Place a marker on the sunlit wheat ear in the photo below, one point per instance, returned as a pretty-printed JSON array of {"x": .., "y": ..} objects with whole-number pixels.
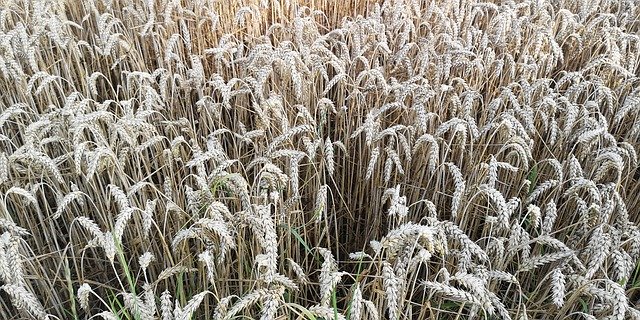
[
  {"x": 456, "y": 234},
  {"x": 4, "y": 168},
  {"x": 391, "y": 284},
  {"x": 451, "y": 292},
  {"x": 240, "y": 187},
  {"x": 460, "y": 186},
  {"x": 320, "y": 208},
  {"x": 375, "y": 153},
  {"x": 145, "y": 259},
  {"x": 201, "y": 230},
  {"x": 398, "y": 239},
  {"x": 66, "y": 201},
  {"x": 147, "y": 216},
  {"x": 623, "y": 266},
  {"x": 398, "y": 207},
  {"x": 433, "y": 151},
  {"x": 587, "y": 185},
  {"x": 612, "y": 294},
  {"x": 288, "y": 135},
  {"x": 328, "y": 153},
  {"x": 326, "y": 312},
  {"x": 12, "y": 111},
  {"x": 535, "y": 215},
  {"x": 298, "y": 271},
  {"x": 192, "y": 305},
  {"x": 609, "y": 161},
  {"x": 294, "y": 164},
  {"x": 28, "y": 196},
  {"x": 41, "y": 160},
  {"x": 13, "y": 228},
  {"x": 372, "y": 310},
  {"x": 109, "y": 245},
  {"x": 10, "y": 260},
  {"x": 393, "y": 156},
  {"x": 534, "y": 262},
  {"x": 357, "y": 303},
  {"x": 477, "y": 286},
  {"x": 541, "y": 189},
  {"x": 107, "y": 315},
  {"x": 550, "y": 215},
  {"x": 166, "y": 306},
  {"x": 558, "y": 288},
  {"x": 149, "y": 299},
  {"x": 83, "y": 296},
  {"x": 329, "y": 276},
  {"x": 137, "y": 306},
  {"x": 91, "y": 226},
  {"x": 35, "y": 77},
  {"x": 222, "y": 308},
  {"x": 121, "y": 221},
  {"x": 597, "y": 250},
  {"x": 245, "y": 302},
  {"x": 325, "y": 106},
  {"x": 105, "y": 240},
  {"x": 208, "y": 260},
  {"x": 23, "y": 299}
]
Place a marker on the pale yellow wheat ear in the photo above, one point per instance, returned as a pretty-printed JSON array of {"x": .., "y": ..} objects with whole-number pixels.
[
  {"x": 460, "y": 186},
  {"x": 12, "y": 227},
  {"x": 24, "y": 299},
  {"x": 83, "y": 295},
  {"x": 391, "y": 284},
  {"x": 66, "y": 201}
]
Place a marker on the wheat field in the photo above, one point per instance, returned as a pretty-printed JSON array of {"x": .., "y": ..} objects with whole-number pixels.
[{"x": 359, "y": 159}]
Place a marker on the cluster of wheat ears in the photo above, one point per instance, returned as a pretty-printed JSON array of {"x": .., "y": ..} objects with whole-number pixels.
[{"x": 427, "y": 159}]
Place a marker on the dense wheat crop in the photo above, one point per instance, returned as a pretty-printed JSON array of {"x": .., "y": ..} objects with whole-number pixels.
[{"x": 427, "y": 159}]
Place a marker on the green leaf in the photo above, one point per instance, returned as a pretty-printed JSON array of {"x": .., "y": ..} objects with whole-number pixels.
[{"x": 533, "y": 178}]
